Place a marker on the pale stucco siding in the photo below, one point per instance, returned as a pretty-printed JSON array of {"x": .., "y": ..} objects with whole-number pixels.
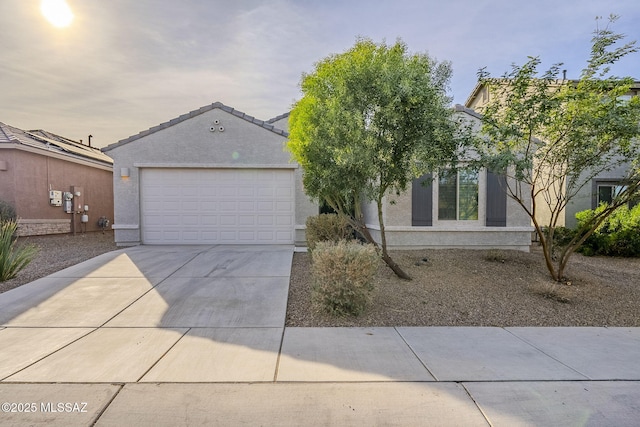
[
  {"x": 448, "y": 234},
  {"x": 400, "y": 233},
  {"x": 190, "y": 143},
  {"x": 305, "y": 207}
]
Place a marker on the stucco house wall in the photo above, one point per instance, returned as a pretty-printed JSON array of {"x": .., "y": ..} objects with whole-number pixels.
[
  {"x": 29, "y": 168},
  {"x": 474, "y": 234},
  {"x": 397, "y": 212},
  {"x": 189, "y": 142}
]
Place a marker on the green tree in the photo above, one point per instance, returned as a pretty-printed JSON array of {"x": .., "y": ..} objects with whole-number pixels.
[
  {"x": 369, "y": 121},
  {"x": 554, "y": 136}
]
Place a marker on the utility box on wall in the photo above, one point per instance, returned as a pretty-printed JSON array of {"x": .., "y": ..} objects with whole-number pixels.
[{"x": 55, "y": 198}]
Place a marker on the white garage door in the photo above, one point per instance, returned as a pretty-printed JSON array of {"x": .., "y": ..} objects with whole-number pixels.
[{"x": 204, "y": 206}]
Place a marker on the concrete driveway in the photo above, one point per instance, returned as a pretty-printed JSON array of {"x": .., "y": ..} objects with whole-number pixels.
[{"x": 159, "y": 335}]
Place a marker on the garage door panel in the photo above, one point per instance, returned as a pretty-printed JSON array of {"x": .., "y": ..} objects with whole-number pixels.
[
  {"x": 248, "y": 206},
  {"x": 265, "y": 220},
  {"x": 284, "y": 220},
  {"x": 209, "y": 220},
  {"x": 246, "y": 192},
  {"x": 191, "y": 220},
  {"x": 203, "y": 206},
  {"x": 265, "y": 206},
  {"x": 244, "y": 220},
  {"x": 282, "y": 206},
  {"x": 228, "y": 220}
]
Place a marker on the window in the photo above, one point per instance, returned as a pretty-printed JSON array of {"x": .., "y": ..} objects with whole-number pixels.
[
  {"x": 607, "y": 192},
  {"x": 458, "y": 196}
]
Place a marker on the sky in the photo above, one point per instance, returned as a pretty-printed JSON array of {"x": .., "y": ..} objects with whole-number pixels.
[{"x": 123, "y": 66}]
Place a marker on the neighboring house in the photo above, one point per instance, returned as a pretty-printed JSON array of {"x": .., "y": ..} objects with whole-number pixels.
[
  {"x": 217, "y": 175},
  {"x": 602, "y": 188},
  {"x": 37, "y": 168}
]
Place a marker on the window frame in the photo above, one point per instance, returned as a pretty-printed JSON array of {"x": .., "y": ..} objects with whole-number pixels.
[
  {"x": 607, "y": 182},
  {"x": 481, "y": 202}
]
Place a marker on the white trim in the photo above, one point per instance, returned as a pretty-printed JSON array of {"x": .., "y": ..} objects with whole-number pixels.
[
  {"x": 125, "y": 226},
  {"x": 214, "y": 166},
  {"x": 440, "y": 228}
]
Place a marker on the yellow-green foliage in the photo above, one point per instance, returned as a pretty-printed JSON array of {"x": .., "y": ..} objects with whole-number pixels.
[
  {"x": 326, "y": 227},
  {"x": 342, "y": 274},
  {"x": 13, "y": 258}
]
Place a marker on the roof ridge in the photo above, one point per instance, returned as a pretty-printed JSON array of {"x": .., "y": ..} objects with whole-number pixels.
[
  {"x": 62, "y": 139},
  {"x": 264, "y": 124},
  {"x": 280, "y": 117},
  {"x": 7, "y": 132}
]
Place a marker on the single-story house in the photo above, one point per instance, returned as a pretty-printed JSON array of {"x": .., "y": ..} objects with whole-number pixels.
[
  {"x": 55, "y": 184},
  {"x": 214, "y": 175},
  {"x": 218, "y": 175},
  {"x": 602, "y": 187}
]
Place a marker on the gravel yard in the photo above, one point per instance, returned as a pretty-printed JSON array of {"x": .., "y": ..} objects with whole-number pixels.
[
  {"x": 451, "y": 288},
  {"x": 58, "y": 252},
  {"x": 484, "y": 288}
]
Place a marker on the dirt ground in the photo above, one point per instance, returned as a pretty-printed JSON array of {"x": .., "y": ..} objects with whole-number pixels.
[{"x": 484, "y": 288}]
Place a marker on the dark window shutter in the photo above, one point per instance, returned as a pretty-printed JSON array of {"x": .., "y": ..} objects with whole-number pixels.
[
  {"x": 496, "y": 200},
  {"x": 422, "y": 201}
]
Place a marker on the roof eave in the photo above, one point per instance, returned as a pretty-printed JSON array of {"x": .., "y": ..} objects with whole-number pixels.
[{"x": 264, "y": 124}]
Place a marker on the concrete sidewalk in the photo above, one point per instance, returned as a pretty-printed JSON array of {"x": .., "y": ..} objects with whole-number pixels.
[{"x": 195, "y": 336}]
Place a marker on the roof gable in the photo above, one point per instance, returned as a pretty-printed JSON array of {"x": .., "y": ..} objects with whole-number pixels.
[{"x": 261, "y": 123}]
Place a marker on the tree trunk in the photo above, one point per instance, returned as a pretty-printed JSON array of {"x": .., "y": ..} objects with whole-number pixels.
[
  {"x": 395, "y": 267},
  {"x": 547, "y": 248},
  {"x": 385, "y": 255},
  {"x": 364, "y": 231}
]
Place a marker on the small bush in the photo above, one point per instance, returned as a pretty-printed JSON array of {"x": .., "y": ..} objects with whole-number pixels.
[
  {"x": 342, "y": 276},
  {"x": 553, "y": 291},
  {"x": 7, "y": 212},
  {"x": 13, "y": 258},
  {"x": 326, "y": 228},
  {"x": 495, "y": 255}
]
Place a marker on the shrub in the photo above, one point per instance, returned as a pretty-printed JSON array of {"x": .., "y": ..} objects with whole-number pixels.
[
  {"x": 495, "y": 255},
  {"x": 13, "y": 258},
  {"x": 342, "y": 276},
  {"x": 326, "y": 228},
  {"x": 618, "y": 235},
  {"x": 7, "y": 212}
]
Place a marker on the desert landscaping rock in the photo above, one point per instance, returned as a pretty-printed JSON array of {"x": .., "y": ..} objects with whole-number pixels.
[{"x": 463, "y": 287}]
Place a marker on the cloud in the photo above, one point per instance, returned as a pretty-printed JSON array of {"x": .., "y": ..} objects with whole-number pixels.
[{"x": 123, "y": 66}]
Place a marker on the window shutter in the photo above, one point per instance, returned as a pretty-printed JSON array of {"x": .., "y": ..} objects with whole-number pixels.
[
  {"x": 422, "y": 201},
  {"x": 496, "y": 200}
]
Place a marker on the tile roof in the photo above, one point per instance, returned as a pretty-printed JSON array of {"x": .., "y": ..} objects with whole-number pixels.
[
  {"x": 51, "y": 142},
  {"x": 264, "y": 124},
  {"x": 278, "y": 118}
]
